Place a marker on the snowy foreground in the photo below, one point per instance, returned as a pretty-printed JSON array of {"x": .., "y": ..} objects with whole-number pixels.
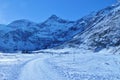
[{"x": 56, "y": 66}]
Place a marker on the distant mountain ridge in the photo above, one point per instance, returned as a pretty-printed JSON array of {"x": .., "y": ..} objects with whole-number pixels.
[
  {"x": 94, "y": 31},
  {"x": 24, "y": 35}
]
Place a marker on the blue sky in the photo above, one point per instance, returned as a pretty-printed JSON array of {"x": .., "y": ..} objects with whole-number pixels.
[{"x": 39, "y": 10}]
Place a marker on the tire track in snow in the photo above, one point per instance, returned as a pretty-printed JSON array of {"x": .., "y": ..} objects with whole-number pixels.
[{"x": 37, "y": 69}]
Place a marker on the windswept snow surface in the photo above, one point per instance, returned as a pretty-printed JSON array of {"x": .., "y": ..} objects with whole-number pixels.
[
  {"x": 11, "y": 65},
  {"x": 69, "y": 65},
  {"x": 27, "y": 67},
  {"x": 37, "y": 69}
]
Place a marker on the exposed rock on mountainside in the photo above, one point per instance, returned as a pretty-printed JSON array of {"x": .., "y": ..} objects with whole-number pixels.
[
  {"x": 104, "y": 32},
  {"x": 95, "y": 31},
  {"x": 24, "y": 35}
]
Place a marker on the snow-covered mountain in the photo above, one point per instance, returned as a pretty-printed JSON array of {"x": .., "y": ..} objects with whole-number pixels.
[
  {"x": 103, "y": 31},
  {"x": 35, "y": 36},
  {"x": 95, "y": 31}
]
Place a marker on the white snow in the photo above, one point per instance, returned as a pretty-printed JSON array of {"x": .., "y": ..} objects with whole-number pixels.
[
  {"x": 77, "y": 65},
  {"x": 38, "y": 70}
]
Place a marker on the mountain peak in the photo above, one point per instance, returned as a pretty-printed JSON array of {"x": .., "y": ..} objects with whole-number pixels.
[
  {"x": 21, "y": 22},
  {"x": 53, "y": 17}
]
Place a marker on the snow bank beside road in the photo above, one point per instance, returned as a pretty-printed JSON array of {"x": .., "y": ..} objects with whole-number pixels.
[{"x": 88, "y": 66}]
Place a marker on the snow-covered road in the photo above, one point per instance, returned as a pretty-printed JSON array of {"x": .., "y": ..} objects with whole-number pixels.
[
  {"x": 44, "y": 66},
  {"x": 37, "y": 69}
]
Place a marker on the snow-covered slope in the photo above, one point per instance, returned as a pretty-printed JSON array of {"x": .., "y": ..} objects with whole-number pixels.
[
  {"x": 95, "y": 31},
  {"x": 99, "y": 31},
  {"x": 103, "y": 33},
  {"x": 35, "y": 36}
]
